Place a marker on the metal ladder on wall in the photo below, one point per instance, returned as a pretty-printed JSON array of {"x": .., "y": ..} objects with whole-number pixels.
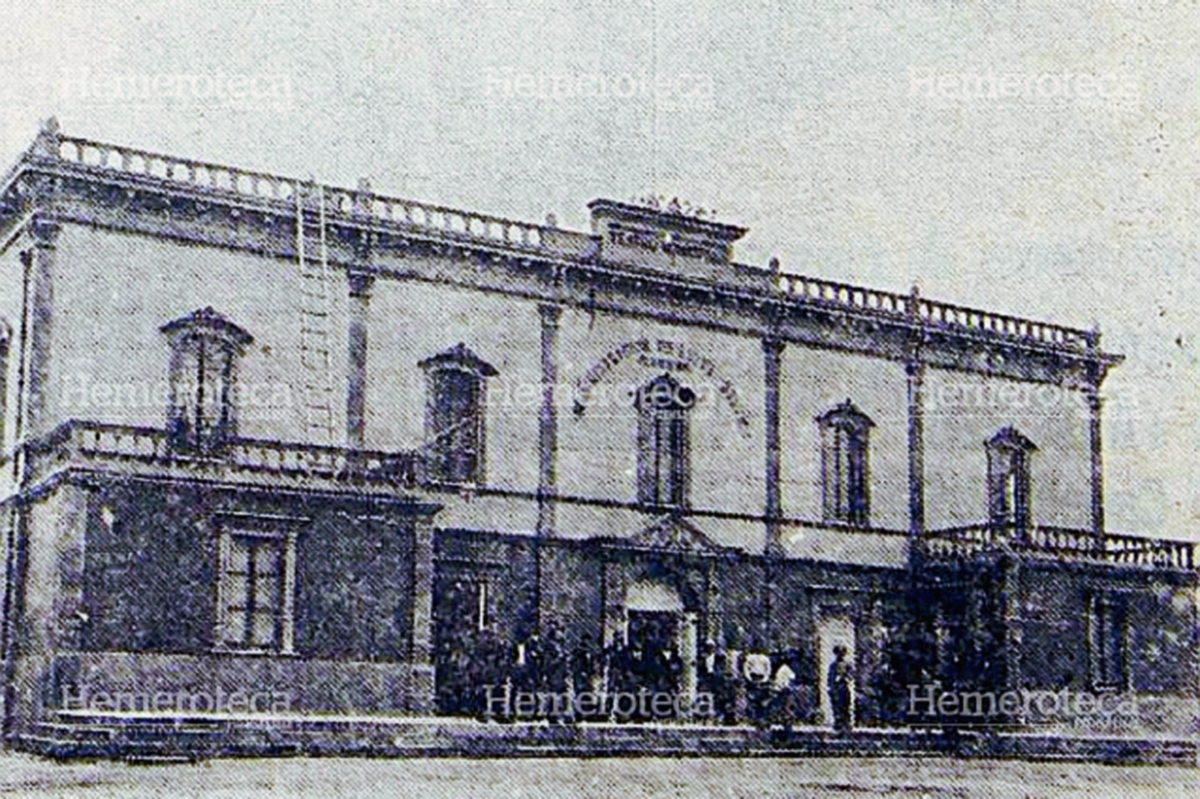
[{"x": 316, "y": 337}]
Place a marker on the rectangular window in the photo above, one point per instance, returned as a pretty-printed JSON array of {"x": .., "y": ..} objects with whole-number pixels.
[
  {"x": 205, "y": 349},
  {"x": 663, "y": 457},
  {"x": 666, "y": 476},
  {"x": 1108, "y": 642},
  {"x": 455, "y": 412},
  {"x": 458, "y": 426},
  {"x": 256, "y": 583},
  {"x": 1008, "y": 481}
]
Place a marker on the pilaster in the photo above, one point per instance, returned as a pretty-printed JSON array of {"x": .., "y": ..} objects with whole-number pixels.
[
  {"x": 773, "y": 506},
  {"x": 40, "y": 267},
  {"x": 548, "y": 419},
  {"x": 915, "y": 378},
  {"x": 360, "y": 285},
  {"x": 1095, "y": 404},
  {"x": 421, "y": 696}
]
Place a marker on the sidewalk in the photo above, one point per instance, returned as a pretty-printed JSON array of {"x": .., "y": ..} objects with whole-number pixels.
[{"x": 144, "y": 735}]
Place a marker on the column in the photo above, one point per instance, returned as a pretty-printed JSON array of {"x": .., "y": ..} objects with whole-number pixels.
[
  {"x": 421, "y": 694},
  {"x": 360, "y": 285},
  {"x": 39, "y": 280},
  {"x": 772, "y": 355},
  {"x": 1095, "y": 446},
  {"x": 1095, "y": 442},
  {"x": 687, "y": 650},
  {"x": 915, "y": 371},
  {"x": 288, "y": 642},
  {"x": 924, "y": 604},
  {"x": 548, "y": 420},
  {"x": 1010, "y": 598},
  {"x": 712, "y": 616}
]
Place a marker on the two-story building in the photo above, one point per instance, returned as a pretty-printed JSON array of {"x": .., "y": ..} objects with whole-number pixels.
[{"x": 267, "y": 437}]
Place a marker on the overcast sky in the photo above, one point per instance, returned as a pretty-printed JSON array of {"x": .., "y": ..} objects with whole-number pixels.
[{"x": 1039, "y": 159}]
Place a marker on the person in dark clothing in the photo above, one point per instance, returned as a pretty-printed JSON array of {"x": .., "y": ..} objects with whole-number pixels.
[
  {"x": 583, "y": 667},
  {"x": 756, "y": 668},
  {"x": 527, "y": 665},
  {"x": 637, "y": 676},
  {"x": 713, "y": 665},
  {"x": 553, "y": 676},
  {"x": 667, "y": 673},
  {"x": 841, "y": 688},
  {"x": 613, "y": 671},
  {"x": 490, "y": 677},
  {"x": 726, "y": 686}
]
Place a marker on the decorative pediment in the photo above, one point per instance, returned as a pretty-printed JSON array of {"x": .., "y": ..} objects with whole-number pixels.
[
  {"x": 208, "y": 323},
  {"x": 846, "y": 415},
  {"x": 673, "y": 534},
  {"x": 460, "y": 356},
  {"x": 1009, "y": 438}
]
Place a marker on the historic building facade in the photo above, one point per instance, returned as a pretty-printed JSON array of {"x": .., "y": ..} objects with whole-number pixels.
[{"x": 269, "y": 437}]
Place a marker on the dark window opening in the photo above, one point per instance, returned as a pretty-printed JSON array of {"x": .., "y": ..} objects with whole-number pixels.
[
  {"x": 664, "y": 457},
  {"x": 1108, "y": 639},
  {"x": 1008, "y": 454},
  {"x": 205, "y": 350},
  {"x": 845, "y": 469},
  {"x": 455, "y": 416}
]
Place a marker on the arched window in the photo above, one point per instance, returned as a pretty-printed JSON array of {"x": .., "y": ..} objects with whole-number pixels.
[
  {"x": 455, "y": 411},
  {"x": 205, "y": 350},
  {"x": 1008, "y": 454},
  {"x": 664, "y": 468},
  {"x": 845, "y": 478}
]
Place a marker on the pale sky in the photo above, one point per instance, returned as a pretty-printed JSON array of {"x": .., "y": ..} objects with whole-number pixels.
[{"x": 957, "y": 144}]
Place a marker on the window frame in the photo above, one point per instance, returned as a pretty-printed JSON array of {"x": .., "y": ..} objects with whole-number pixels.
[
  {"x": 844, "y": 434},
  {"x": 283, "y": 615},
  {"x": 201, "y": 412},
  {"x": 1010, "y": 481},
  {"x": 664, "y": 467},
  {"x": 456, "y": 455}
]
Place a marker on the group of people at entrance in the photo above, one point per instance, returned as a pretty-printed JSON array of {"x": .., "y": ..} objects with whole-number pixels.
[
  {"x": 489, "y": 679},
  {"x": 767, "y": 690}
]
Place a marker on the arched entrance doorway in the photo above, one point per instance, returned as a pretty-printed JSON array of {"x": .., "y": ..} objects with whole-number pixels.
[
  {"x": 660, "y": 643},
  {"x": 653, "y": 617}
]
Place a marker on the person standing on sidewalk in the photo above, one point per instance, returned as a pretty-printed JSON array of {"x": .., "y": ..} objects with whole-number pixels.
[
  {"x": 841, "y": 690},
  {"x": 783, "y": 693}
]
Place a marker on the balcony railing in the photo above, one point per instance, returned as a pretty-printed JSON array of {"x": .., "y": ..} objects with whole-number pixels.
[
  {"x": 1065, "y": 543},
  {"x": 83, "y": 443}
]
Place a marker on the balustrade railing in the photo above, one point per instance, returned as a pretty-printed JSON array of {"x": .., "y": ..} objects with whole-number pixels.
[
  {"x": 930, "y": 312},
  {"x": 245, "y": 182},
  {"x": 84, "y": 442},
  {"x": 1066, "y": 543},
  {"x": 483, "y": 227}
]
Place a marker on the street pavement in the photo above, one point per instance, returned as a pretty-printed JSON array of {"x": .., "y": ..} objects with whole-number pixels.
[{"x": 626, "y": 778}]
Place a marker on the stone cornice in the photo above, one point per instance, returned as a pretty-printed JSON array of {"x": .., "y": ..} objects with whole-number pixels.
[{"x": 539, "y": 263}]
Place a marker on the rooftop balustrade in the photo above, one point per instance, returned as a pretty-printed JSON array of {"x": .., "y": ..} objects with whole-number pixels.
[{"x": 363, "y": 204}]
